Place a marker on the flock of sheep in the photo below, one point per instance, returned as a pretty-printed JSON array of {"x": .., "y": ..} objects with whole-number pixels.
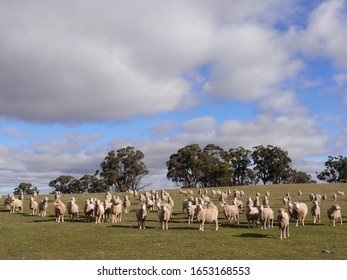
[{"x": 198, "y": 208}]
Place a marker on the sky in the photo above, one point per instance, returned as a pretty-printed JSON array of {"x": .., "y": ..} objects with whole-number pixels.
[{"x": 81, "y": 78}]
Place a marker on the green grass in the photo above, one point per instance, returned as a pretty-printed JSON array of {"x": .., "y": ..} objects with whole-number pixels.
[{"x": 26, "y": 237}]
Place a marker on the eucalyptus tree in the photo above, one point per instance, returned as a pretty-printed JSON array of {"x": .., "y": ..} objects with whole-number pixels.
[
  {"x": 184, "y": 167},
  {"x": 240, "y": 163},
  {"x": 65, "y": 184},
  {"x": 26, "y": 188},
  {"x": 335, "y": 170},
  {"x": 272, "y": 164},
  {"x": 123, "y": 170}
]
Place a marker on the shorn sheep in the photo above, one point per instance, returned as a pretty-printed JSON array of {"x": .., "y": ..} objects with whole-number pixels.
[
  {"x": 59, "y": 210},
  {"x": 252, "y": 213},
  {"x": 315, "y": 211},
  {"x": 334, "y": 213},
  {"x": 299, "y": 212},
  {"x": 141, "y": 215},
  {"x": 116, "y": 210},
  {"x": 126, "y": 204},
  {"x": 16, "y": 204},
  {"x": 266, "y": 216},
  {"x": 88, "y": 210},
  {"x": 191, "y": 212},
  {"x": 283, "y": 223},
  {"x": 206, "y": 215},
  {"x": 33, "y": 206}
]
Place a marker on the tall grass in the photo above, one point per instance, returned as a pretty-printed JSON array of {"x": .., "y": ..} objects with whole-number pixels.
[{"x": 31, "y": 237}]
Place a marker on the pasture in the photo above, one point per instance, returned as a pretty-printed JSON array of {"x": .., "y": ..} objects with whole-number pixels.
[{"x": 26, "y": 237}]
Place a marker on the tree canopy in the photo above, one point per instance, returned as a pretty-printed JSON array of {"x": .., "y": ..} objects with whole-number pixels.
[{"x": 335, "y": 171}]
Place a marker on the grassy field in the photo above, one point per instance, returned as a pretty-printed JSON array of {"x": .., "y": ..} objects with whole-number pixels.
[{"x": 25, "y": 237}]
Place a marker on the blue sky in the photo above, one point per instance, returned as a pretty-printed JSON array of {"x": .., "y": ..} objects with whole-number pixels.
[{"x": 80, "y": 79}]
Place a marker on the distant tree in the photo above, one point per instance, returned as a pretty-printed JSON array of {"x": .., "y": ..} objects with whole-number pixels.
[
  {"x": 335, "y": 171},
  {"x": 123, "y": 170},
  {"x": 272, "y": 164},
  {"x": 26, "y": 188},
  {"x": 214, "y": 170},
  {"x": 92, "y": 184},
  {"x": 299, "y": 177},
  {"x": 184, "y": 167},
  {"x": 65, "y": 184},
  {"x": 240, "y": 162}
]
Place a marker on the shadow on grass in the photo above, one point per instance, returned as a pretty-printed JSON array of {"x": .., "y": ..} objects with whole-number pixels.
[{"x": 252, "y": 235}]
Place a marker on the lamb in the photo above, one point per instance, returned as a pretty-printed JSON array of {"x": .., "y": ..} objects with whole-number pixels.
[
  {"x": 334, "y": 213},
  {"x": 99, "y": 211},
  {"x": 164, "y": 214},
  {"x": 126, "y": 204},
  {"x": 43, "y": 205},
  {"x": 141, "y": 215},
  {"x": 299, "y": 212},
  {"x": 116, "y": 210},
  {"x": 266, "y": 215},
  {"x": 33, "y": 206},
  {"x": 283, "y": 223},
  {"x": 209, "y": 215},
  {"x": 315, "y": 211},
  {"x": 231, "y": 212},
  {"x": 72, "y": 209},
  {"x": 59, "y": 210},
  {"x": 88, "y": 209}
]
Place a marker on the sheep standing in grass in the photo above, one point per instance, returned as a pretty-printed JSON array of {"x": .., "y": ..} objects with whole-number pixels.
[
  {"x": 164, "y": 214},
  {"x": 116, "y": 210},
  {"x": 238, "y": 203},
  {"x": 231, "y": 212},
  {"x": 89, "y": 208},
  {"x": 16, "y": 204},
  {"x": 341, "y": 194},
  {"x": 126, "y": 204},
  {"x": 43, "y": 205},
  {"x": 283, "y": 223},
  {"x": 334, "y": 213},
  {"x": 315, "y": 211},
  {"x": 33, "y": 206},
  {"x": 299, "y": 212},
  {"x": 266, "y": 216},
  {"x": 206, "y": 215},
  {"x": 99, "y": 212},
  {"x": 191, "y": 212},
  {"x": 334, "y": 196},
  {"x": 252, "y": 213},
  {"x": 72, "y": 209},
  {"x": 141, "y": 215},
  {"x": 59, "y": 210}
]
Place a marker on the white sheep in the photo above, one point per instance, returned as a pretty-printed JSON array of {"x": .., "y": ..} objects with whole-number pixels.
[
  {"x": 16, "y": 204},
  {"x": 59, "y": 210},
  {"x": 283, "y": 223},
  {"x": 191, "y": 212},
  {"x": 231, "y": 212},
  {"x": 43, "y": 206},
  {"x": 141, "y": 215},
  {"x": 266, "y": 216},
  {"x": 315, "y": 211},
  {"x": 206, "y": 215},
  {"x": 265, "y": 201},
  {"x": 334, "y": 213},
  {"x": 88, "y": 209},
  {"x": 252, "y": 214},
  {"x": 299, "y": 193},
  {"x": 334, "y": 196},
  {"x": 72, "y": 209},
  {"x": 116, "y": 210},
  {"x": 126, "y": 204},
  {"x": 33, "y": 206},
  {"x": 164, "y": 214},
  {"x": 99, "y": 212},
  {"x": 238, "y": 203},
  {"x": 340, "y": 193},
  {"x": 299, "y": 212}
]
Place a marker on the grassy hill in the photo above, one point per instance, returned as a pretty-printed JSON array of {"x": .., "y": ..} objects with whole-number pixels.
[{"x": 31, "y": 237}]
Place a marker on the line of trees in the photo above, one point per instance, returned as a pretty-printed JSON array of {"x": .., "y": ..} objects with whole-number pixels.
[{"x": 193, "y": 167}]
